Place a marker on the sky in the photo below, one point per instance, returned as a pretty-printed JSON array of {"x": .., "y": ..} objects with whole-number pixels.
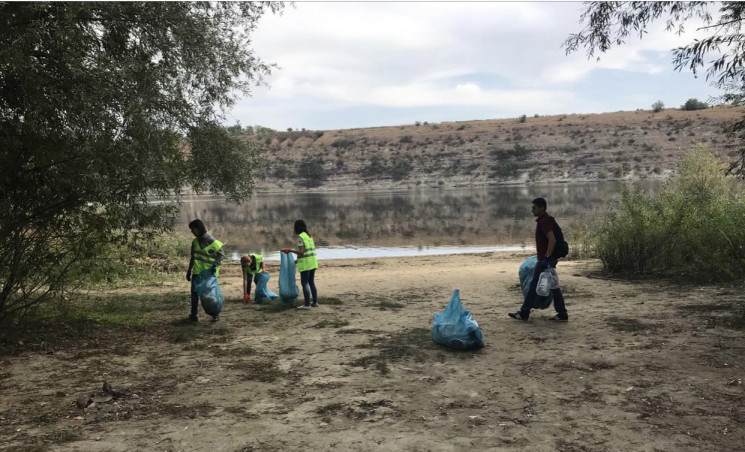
[{"x": 349, "y": 65}]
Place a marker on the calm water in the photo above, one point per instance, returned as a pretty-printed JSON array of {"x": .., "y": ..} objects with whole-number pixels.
[{"x": 405, "y": 223}]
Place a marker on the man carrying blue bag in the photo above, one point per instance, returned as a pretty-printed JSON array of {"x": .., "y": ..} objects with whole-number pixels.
[
  {"x": 550, "y": 246},
  {"x": 204, "y": 265}
]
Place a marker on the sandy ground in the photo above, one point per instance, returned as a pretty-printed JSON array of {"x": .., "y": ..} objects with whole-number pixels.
[{"x": 641, "y": 366}]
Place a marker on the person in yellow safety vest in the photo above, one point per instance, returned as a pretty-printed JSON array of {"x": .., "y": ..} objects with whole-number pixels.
[
  {"x": 206, "y": 254},
  {"x": 252, "y": 265},
  {"x": 307, "y": 263}
]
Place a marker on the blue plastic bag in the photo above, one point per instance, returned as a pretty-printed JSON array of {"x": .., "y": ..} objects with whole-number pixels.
[
  {"x": 455, "y": 327},
  {"x": 287, "y": 286},
  {"x": 262, "y": 291},
  {"x": 209, "y": 292},
  {"x": 526, "y": 277}
]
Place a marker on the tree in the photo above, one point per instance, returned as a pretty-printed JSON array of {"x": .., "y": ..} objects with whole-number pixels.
[
  {"x": 694, "y": 104},
  {"x": 721, "y": 54},
  {"x": 658, "y": 106},
  {"x": 105, "y": 106},
  {"x": 311, "y": 172}
]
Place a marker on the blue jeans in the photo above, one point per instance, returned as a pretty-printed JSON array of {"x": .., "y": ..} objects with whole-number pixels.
[
  {"x": 309, "y": 286},
  {"x": 530, "y": 296}
]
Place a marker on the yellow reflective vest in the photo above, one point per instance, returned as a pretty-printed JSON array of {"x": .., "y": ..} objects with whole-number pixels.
[
  {"x": 308, "y": 261},
  {"x": 205, "y": 258},
  {"x": 259, "y": 265}
]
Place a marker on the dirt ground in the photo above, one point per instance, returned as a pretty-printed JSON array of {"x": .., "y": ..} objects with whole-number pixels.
[{"x": 641, "y": 366}]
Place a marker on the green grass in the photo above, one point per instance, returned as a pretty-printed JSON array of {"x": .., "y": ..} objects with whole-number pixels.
[
  {"x": 275, "y": 306},
  {"x": 335, "y": 323},
  {"x": 409, "y": 344}
]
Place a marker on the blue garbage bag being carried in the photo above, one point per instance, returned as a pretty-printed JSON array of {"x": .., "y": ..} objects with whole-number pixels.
[
  {"x": 287, "y": 286},
  {"x": 455, "y": 327},
  {"x": 526, "y": 277},
  {"x": 262, "y": 291},
  {"x": 209, "y": 292}
]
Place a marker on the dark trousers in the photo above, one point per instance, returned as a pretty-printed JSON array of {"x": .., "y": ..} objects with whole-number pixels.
[
  {"x": 248, "y": 283},
  {"x": 309, "y": 286},
  {"x": 558, "y": 296},
  {"x": 194, "y": 296}
]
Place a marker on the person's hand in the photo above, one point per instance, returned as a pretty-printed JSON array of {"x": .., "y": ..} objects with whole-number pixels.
[
  {"x": 286, "y": 250},
  {"x": 544, "y": 263},
  {"x": 188, "y": 276},
  {"x": 245, "y": 297}
]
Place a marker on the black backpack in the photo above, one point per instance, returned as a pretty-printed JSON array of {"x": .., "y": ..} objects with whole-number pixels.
[{"x": 561, "y": 249}]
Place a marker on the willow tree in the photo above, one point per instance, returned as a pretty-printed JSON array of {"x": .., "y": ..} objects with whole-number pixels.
[
  {"x": 103, "y": 107},
  {"x": 720, "y": 54}
]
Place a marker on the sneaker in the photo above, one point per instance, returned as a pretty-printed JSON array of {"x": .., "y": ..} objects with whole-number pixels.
[
  {"x": 556, "y": 318},
  {"x": 518, "y": 316},
  {"x": 215, "y": 318},
  {"x": 193, "y": 318},
  {"x": 314, "y": 304},
  {"x": 303, "y": 308}
]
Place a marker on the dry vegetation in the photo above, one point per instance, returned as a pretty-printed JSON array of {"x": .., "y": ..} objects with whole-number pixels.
[
  {"x": 638, "y": 144},
  {"x": 641, "y": 366}
]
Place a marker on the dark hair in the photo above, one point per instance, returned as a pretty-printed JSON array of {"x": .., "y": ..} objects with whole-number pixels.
[
  {"x": 540, "y": 202},
  {"x": 300, "y": 226},
  {"x": 199, "y": 226}
]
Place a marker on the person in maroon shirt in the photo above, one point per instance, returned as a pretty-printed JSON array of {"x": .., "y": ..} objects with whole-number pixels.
[{"x": 545, "y": 241}]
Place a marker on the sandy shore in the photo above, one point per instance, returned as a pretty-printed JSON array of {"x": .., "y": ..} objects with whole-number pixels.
[{"x": 641, "y": 366}]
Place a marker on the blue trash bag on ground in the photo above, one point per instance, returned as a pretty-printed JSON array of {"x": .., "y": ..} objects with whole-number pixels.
[
  {"x": 209, "y": 292},
  {"x": 455, "y": 327},
  {"x": 526, "y": 277},
  {"x": 262, "y": 291},
  {"x": 287, "y": 286}
]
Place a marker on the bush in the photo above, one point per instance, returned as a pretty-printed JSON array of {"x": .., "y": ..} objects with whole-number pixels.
[
  {"x": 658, "y": 106},
  {"x": 311, "y": 173},
  {"x": 400, "y": 168},
  {"x": 342, "y": 143},
  {"x": 691, "y": 229},
  {"x": 522, "y": 119},
  {"x": 694, "y": 104}
]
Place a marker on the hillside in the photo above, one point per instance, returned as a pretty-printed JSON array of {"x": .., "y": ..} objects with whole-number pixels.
[{"x": 630, "y": 145}]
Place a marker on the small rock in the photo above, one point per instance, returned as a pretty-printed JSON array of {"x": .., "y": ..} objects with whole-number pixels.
[
  {"x": 83, "y": 402},
  {"x": 107, "y": 387},
  {"x": 61, "y": 394}
]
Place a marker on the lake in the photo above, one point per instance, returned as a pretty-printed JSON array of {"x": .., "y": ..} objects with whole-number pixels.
[{"x": 398, "y": 223}]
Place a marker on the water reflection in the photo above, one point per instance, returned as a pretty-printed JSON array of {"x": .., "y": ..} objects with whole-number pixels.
[{"x": 418, "y": 219}]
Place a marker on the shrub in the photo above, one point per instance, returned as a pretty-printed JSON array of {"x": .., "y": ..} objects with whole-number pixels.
[
  {"x": 522, "y": 119},
  {"x": 694, "y": 104},
  {"x": 342, "y": 143},
  {"x": 690, "y": 229},
  {"x": 658, "y": 106},
  {"x": 310, "y": 173},
  {"x": 399, "y": 168},
  {"x": 405, "y": 139}
]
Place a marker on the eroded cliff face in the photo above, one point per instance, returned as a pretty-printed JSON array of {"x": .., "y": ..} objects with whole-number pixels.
[{"x": 622, "y": 145}]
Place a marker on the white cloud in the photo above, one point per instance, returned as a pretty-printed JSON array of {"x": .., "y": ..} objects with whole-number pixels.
[{"x": 333, "y": 56}]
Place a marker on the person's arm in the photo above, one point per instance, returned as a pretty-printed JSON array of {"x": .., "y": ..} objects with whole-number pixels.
[
  {"x": 191, "y": 262},
  {"x": 219, "y": 257},
  {"x": 551, "y": 243},
  {"x": 300, "y": 248}
]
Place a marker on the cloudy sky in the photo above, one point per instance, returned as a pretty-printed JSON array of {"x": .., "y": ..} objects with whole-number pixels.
[{"x": 345, "y": 65}]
